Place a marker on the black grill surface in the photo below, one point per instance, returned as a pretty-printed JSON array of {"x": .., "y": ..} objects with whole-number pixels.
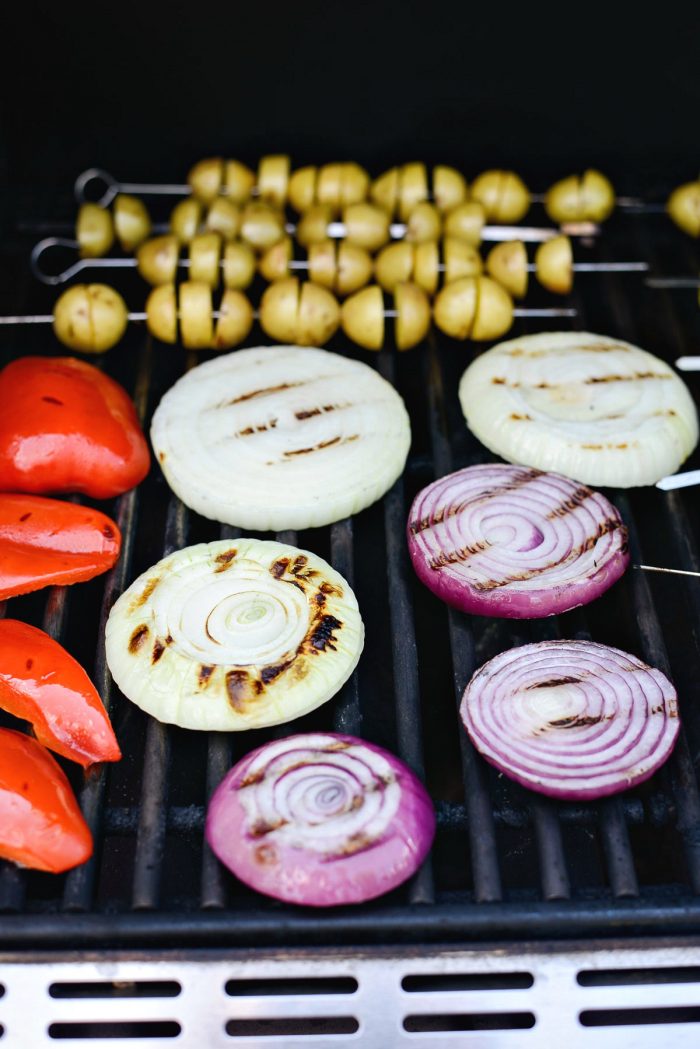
[{"x": 506, "y": 864}]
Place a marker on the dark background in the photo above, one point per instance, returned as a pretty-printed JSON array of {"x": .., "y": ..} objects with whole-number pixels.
[{"x": 144, "y": 89}]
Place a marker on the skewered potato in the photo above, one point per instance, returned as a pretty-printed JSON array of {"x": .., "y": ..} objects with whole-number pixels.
[
  {"x": 413, "y": 188},
  {"x": 274, "y": 263},
  {"x": 279, "y": 308},
  {"x": 161, "y": 313},
  {"x": 306, "y": 315},
  {"x": 238, "y": 181},
  {"x": 90, "y": 318},
  {"x": 332, "y": 185},
  {"x": 426, "y": 263},
  {"x": 235, "y": 320},
  {"x": 580, "y": 198},
  {"x": 385, "y": 190},
  {"x": 494, "y": 310},
  {"x": 132, "y": 223},
  {"x": 554, "y": 260},
  {"x": 507, "y": 263},
  {"x": 394, "y": 264},
  {"x": 319, "y": 315},
  {"x": 205, "y": 179},
  {"x": 503, "y": 194},
  {"x": 157, "y": 259},
  {"x": 454, "y": 308},
  {"x": 466, "y": 222},
  {"x": 185, "y": 220},
  {"x": 684, "y": 207},
  {"x": 94, "y": 231},
  {"x": 460, "y": 259},
  {"x": 423, "y": 223},
  {"x": 366, "y": 226},
  {"x": 413, "y": 315},
  {"x": 362, "y": 318},
  {"x": 420, "y": 263},
  {"x": 339, "y": 266},
  {"x": 449, "y": 188},
  {"x": 196, "y": 321},
  {"x": 261, "y": 225},
  {"x": 238, "y": 265},
  {"x": 223, "y": 217},
  {"x": 205, "y": 258},
  {"x": 312, "y": 226},
  {"x": 402, "y": 189},
  {"x": 273, "y": 179},
  {"x": 302, "y": 188}
]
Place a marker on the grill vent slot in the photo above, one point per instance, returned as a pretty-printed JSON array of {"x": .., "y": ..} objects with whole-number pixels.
[
  {"x": 312, "y": 1026},
  {"x": 467, "y": 982},
  {"x": 114, "y": 989}
]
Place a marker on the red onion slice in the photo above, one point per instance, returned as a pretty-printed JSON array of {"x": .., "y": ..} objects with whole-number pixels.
[
  {"x": 321, "y": 819},
  {"x": 572, "y": 719},
  {"x": 511, "y": 541}
]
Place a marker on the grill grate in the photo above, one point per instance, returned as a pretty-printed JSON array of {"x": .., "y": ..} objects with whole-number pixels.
[{"x": 506, "y": 864}]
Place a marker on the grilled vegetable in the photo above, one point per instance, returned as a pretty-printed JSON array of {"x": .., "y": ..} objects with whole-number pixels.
[
  {"x": 306, "y": 313},
  {"x": 321, "y": 820},
  {"x": 41, "y": 825},
  {"x": 590, "y": 407},
  {"x": 503, "y": 195},
  {"x": 571, "y": 719},
  {"x": 67, "y": 427},
  {"x": 94, "y": 231},
  {"x": 132, "y": 223},
  {"x": 309, "y": 437},
  {"x": 509, "y": 541},
  {"x": 684, "y": 208},
  {"x": 44, "y": 542},
  {"x": 580, "y": 198},
  {"x": 42, "y": 683},
  {"x": 473, "y": 308},
  {"x": 90, "y": 318},
  {"x": 229, "y": 636}
]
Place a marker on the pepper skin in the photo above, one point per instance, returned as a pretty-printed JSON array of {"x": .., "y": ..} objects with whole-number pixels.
[
  {"x": 41, "y": 825},
  {"x": 42, "y": 683},
  {"x": 65, "y": 426},
  {"x": 44, "y": 542}
]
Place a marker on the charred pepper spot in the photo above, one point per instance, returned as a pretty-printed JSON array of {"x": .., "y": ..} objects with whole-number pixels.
[
  {"x": 52, "y": 400},
  {"x": 224, "y": 560},
  {"x": 204, "y": 674},
  {"x": 138, "y": 638},
  {"x": 242, "y": 689},
  {"x": 158, "y": 650},
  {"x": 25, "y": 517},
  {"x": 278, "y": 568},
  {"x": 108, "y": 532},
  {"x": 29, "y": 664}
]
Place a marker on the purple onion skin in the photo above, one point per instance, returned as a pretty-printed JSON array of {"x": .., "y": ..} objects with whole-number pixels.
[
  {"x": 301, "y": 875},
  {"x": 512, "y": 601},
  {"x": 652, "y": 726}
]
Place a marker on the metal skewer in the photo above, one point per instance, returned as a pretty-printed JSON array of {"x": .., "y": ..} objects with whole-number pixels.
[
  {"x": 672, "y": 571},
  {"x": 672, "y": 282},
  {"x": 688, "y": 364},
  {"x": 682, "y": 480}
]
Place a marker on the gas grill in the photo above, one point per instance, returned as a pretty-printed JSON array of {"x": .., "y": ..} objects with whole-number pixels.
[{"x": 531, "y": 922}]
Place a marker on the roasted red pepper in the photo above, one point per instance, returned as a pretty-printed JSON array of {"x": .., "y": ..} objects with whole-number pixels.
[
  {"x": 42, "y": 683},
  {"x": 65, "y": 426},
  {"x": 44, "y": 542},
  {"x": 41, "y": 825}
]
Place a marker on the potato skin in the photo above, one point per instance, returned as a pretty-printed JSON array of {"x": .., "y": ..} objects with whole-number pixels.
[
  {"x": 238, "y": 181},
  {"x": 157, "y": 259},
  {"x": 449, "y": 188},
  {"x": 683, "y": 208},
  {"x": 109, "y": 317},
  {"x": 238, "y": 265},
  {"x": 186, "y": 219},
  {"x": 279, "y": 309},
  {"x": 507, "y": 263},
  {"x": 90, "y": 318},
  {"x": 424, "y": 223},
  {"x": 301, "y": 191},
  {"x": 413, "y": 321},
  {"x": 367, "y": 226},
  {"x": 224, "y": 218},
  {"x": 94, "y": 231},
  {"x": 273, "y": 179},
  {"x": 362, "y": 317},
  {"x": 196, "y": 315},
  {"x": 394, "y": 264},
  {"x": 261, "y": 225},
  {"x": 234, "y": 322},
  {"x": 132, "y": 223},
  {"x": 554, "y": 261},
  {"x": 161, "y": 313},
  {"x": 274, "y": 263},
  {"x": 318, "y": 317},
  {"x": 205, "y": 179},
  {"x": 426, "y": 259},
  {"x": 354, "y": 268},
  {"x": 494, "y": 310},
  {"x": 459, "y": 259},
  {"x": 466, "y": 222},
  {"x": 454, "y": 309},
  {"x": 205, "y": 256}
]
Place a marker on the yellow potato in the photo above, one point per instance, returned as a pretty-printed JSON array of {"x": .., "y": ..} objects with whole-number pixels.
[
  {"x": 318, "y": 316},
  {"x": 224, "y": 218},
  {"x": 394, "y": 264},
  {"x": 466, "y": 222},
  {"x": 94, "y": 231},
  {"x": 486, "y": 189},
  {"x": 205, "y": 258},
  {"x": 261, "y": 225},
  {"x": 109, "y": 316},
  {"x": 454, "y": 308},
  {"x": 301, "y": 191},
  {"x": 507, "y": 263},
  {"x": 239, "y": 265},
  {"x": 273, "y": 179},
  {"x": 161, "y": 313},
  {"x": 426, "y": 259},
  {"x": 157, "y": 259},
  {"x": 132, "y": 223},
  {"x": 424, "y": 223},
  {"x": 279, "y": 310},
  {"x": 185, "y": 219},
  {"x": 449, "y": 188},
  {"x": 235, "y": 320},
  {"x": 328, "y": 186},
  {"x": 323, "y": 263},
  {"x": 313, "y": 225},
  {"x": 413, "y": 321},
  {"x": 354, "y": 268},
  {"x": 514, "y": 202},
  {"x": 494, "y": 310},
  {"x": 384, "y": 191},
  {"x": 362, "y": 317},
  {"x": 413, "y": 188},
  {"x": 354, "y": 184},
  {"x": 554, "y": 260},
  {"x": 238, "y": 182},
  {"x": 274, "y": 263},
  {"x": 72, "y": 319},
  {"x": 205, "y": 179},
  {"x": 684, "y": 208},
  {"x": 196, "y": 315},
  {"x": 563, "y": 201},
  {"x": 460, "y": 260},
  {"x": 597, "y": 195},
  {"x": 366, "y": 226}
]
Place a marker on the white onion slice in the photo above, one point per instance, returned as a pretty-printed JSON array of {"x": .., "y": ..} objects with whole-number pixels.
[
  {"x": 281, "y": 437},
  {"x": 234, "y": 635},
  {"x": 321, "y": 820},
  {"x": 596, "y": 409},
  {"x": 515, "y": 542},
  {"x": 571, "y": 719}
]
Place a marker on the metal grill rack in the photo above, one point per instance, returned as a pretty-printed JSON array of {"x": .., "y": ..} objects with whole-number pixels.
[{"x": 508, "y": 867}]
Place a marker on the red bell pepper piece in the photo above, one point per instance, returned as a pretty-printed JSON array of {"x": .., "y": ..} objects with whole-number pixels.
[
  {"x": 41, "y": 825},
  {"x": 65, "y": 426},
  {"x": 44, "y": 542},
  {"x": 42, "y": 683}
]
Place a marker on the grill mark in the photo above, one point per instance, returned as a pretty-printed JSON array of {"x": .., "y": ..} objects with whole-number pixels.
[
  {"x": 456, "y": 508},
  {"x": 309, "y": 413},
  {"x": 553, "y": 682},
  {"x": 520, "y": 418},
  {"x": 322, "y": 636},
  {"x": 204, "y": 674},
  {"x": 269, "y": 673},
  {"x": 609, "y": 446},
  {"x": 458, "y": 556},
  {"x": 572, "y": 503},
  {"x": 252, "y": 779},
  {"x": 593, "y": 347},
  {"x": 278, "y": 568},
  {"x": 262, "y": 827},
  {"x": 319, "y": 446},
  {"x": 138, "y": 638},
  {"x": 225, "y": 560},
  {"x": 262, "y": 392},
  {"x": 359, "y": 842},
  {"x": 242, "y": 689},
  {"x": 158, "y": 650},
  {"x": 624, "y": 378},
  {"x": 577, "y": 720},
  {"x": 261, "y": 428},
  {"x": 145, "y": 593}
]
